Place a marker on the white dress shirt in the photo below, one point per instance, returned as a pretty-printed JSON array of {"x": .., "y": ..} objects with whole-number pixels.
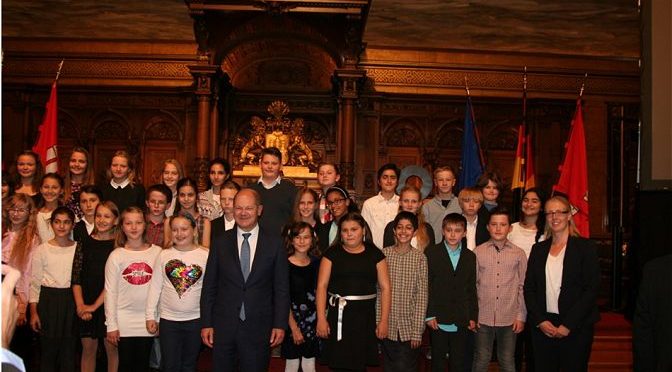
[
  {"x": 378, "y": 212},
  {"x": 252, "y": 240}
]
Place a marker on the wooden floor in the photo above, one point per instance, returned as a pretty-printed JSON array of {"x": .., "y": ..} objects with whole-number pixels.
[{"x": 612, "y": 350}]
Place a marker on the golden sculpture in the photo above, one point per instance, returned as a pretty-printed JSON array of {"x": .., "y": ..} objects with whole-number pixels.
[{"x": 281, "y": 132}]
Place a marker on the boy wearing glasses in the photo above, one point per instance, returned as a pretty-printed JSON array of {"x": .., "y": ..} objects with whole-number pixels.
[
  {"x": 158, "y": 199},
  {"x": 379, "y": 210}
]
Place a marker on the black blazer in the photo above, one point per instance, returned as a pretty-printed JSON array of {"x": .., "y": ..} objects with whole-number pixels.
[
  {"x": 577, "y": 302},
  {"x": 452, "y": 292},
  {"x": 266, "y": 291},
  {"x": 482, "y": 234},
  {"x": 652, "y": 325}
]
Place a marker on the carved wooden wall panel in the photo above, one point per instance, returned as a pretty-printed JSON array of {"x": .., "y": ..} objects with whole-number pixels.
[{"x": 105, "y": 122}]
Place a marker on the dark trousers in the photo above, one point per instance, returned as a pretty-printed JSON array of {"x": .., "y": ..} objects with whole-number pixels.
[
  {"x": 569, "y": 353},
  {"x": 398, "y": 356},
  {"x": 134, "y": 353},
  {"x": 180, "y": 345},
  {"x": 524, "y": 350},
  {"x": 452, "y": 343},
  {"x": 246, "y": 344}
]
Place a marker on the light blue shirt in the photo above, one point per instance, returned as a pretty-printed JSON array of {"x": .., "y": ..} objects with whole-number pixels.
[{"x": 454, "y": 259}]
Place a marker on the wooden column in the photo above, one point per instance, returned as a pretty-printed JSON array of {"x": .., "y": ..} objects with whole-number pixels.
[
  {"x": 203, "y": 76},
  {"x": 349, "y": 82}
]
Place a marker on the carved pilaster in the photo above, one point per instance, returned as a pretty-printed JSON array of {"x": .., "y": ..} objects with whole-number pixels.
[
  {"x": 349, "y": 83},
  {"x": 203, "y": 78}
]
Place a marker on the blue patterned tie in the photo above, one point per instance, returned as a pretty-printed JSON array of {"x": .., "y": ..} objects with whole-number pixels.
[{"x": 244, "y": 265}]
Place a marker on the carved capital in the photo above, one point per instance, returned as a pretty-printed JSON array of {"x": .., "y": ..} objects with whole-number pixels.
[
  {"x": 349, "y": 82},
  {"x": 203, "y": 78}
]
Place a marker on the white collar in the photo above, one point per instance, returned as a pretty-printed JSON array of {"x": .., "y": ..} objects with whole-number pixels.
[
  {"x": 253, "y": 232},
  {"x": 272, "y": 184},
  {"x": 120, "y": 185}
]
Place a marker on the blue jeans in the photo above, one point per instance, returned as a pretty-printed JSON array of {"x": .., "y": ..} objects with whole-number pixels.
[
  {"x": 399, "y": 357},
  {"x": 506, "y": 348}
]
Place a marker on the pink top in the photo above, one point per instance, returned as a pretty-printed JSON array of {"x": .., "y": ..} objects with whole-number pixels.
[{"x": 23, "y": 284}]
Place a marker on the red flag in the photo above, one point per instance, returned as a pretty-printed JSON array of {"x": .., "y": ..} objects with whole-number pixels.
[
  {"x": 47, "y": 138},
  {"x": 573, "y": 180}
]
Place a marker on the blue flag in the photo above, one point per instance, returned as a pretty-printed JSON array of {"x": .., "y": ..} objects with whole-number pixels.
[{"x": 471, "y": 166}]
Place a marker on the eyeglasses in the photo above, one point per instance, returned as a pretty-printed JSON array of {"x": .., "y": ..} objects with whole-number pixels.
[
  {"x": 555, "y": 213},
  {"x": 17, "y": 210},
  {"x": 335, "y": 202}
]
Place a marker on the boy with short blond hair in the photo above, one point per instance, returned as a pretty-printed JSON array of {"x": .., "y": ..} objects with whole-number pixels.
[
  {"x": 452, "y": 308},
  {"x": 444, "y": 201},
  {"x": 471, "y": 200}
]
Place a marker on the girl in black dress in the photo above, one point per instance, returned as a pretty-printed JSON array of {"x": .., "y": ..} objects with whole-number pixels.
[
  {"x": 303, "y": 345},
  {"x": 349, "y": 272},
  {"x": 88, "y": 286}
]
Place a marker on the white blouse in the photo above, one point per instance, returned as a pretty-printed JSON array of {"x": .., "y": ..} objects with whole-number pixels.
[
  {"x": 51, "y": 267},
  {"x": 554, "y": 266}
]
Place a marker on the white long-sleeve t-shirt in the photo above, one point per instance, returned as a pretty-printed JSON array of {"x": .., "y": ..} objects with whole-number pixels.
[
  {"x": 51, "y": 267},
  {"x": 128, "y": 274},
  {"x": 175, "y": 290}
]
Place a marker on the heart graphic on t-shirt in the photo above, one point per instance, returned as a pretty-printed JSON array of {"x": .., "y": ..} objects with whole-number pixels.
[{"x": 182, "y": 276}]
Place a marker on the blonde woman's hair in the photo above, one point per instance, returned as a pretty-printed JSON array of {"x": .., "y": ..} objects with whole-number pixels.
[
  {"x": 26, "y": 235},
  {"x": 131, "y": 167},
  {"x": 121, "y": 238},
  {"x": 573, "y": 231},
  {"x": 421, "y": 235},
  {"x": 88, "y": 174}
]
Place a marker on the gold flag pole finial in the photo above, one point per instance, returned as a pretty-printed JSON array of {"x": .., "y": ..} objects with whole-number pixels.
[
  {"x": 60, "y": 67},
  {"x": 583, "y": 85},
  {"x": 525, "y": 79},
  {"x": 466, "y": 86}
]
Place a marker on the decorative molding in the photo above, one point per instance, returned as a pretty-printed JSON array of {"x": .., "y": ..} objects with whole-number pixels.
[
  {"x": 413, "y": 80},
  {"x": 76, "y": 72}
]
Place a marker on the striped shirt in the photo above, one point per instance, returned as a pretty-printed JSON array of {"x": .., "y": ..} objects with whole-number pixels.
[
  {"x": 500, "y": 275},
  {"x": 408, "y": 279}
]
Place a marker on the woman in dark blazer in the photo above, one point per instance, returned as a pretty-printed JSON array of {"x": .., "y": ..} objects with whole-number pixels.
[{"x": 561, "y": 284}]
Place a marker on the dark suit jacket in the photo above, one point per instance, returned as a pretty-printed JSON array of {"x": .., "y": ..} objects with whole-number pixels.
[
  {"x": 482, "y": 234},
  {"x": 265, "y": 293},
  {"x": 217, "y": 228},
  {"x": 652, "y": 328},
  {"x": 577, "y": 303},
  {"x": 452, "y": 292}
]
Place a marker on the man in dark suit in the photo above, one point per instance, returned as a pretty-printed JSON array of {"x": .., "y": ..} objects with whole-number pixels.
[
  {"x": 652, "y": 331},
  {"x": 245, "y": 297}
]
